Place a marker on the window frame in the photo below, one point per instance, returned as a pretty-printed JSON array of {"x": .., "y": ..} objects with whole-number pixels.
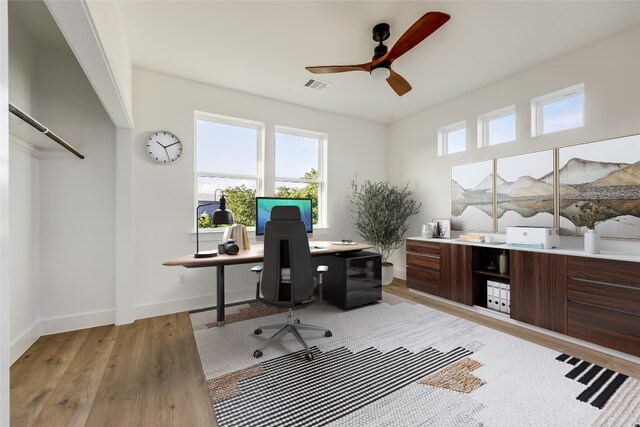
[
  {"x": 322, "y": 161},
  {"x": 538, "y": 104},
  {"x": 484, "y": 125},
  {"x": 260, "y": 147},
  {"x": 443, "y": 137}
]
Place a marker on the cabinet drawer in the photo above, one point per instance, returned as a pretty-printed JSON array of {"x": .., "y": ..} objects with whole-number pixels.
[
  {"x": 606, "y": 271},
  {"x": 613, "y": 297},
  {"x": 424, "y": 280},
  {"x": 363, "y": 296},
  {"x": 425, "y": 248},
  {"x": 423, "y": 261},
  {"x": 609, "y": 328}
]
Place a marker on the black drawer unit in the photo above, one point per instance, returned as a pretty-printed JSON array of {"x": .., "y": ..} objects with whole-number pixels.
[{"x": 353, "y": 279}]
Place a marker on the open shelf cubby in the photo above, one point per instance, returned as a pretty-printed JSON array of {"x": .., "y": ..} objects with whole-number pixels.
[{"x": 485, "y": 267}]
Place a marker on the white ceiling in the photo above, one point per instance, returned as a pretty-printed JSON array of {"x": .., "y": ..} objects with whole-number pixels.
[{"x": 262, "y": 47}]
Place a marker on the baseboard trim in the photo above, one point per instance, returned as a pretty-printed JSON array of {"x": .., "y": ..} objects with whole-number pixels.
[
  {"x": 19, "y": 345},
  {"x": 144, "y": 311},
  {"x": 54, "y": 325}
]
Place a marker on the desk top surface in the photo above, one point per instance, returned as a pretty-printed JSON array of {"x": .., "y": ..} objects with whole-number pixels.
[{"x": 256, "y": 254}]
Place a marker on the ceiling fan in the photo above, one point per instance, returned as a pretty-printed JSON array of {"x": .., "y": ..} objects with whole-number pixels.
[{"x": 380, "y": 65}]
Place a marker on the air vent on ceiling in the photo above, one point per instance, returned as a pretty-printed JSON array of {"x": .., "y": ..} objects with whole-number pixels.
[{"x": 316, "y": 84}]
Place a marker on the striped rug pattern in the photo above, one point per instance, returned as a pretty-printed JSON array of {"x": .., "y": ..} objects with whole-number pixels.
[
  {"x": 602, "y": 383},
  {"x": 396, "y": 363},
  {"x": 281, "y": 394}
]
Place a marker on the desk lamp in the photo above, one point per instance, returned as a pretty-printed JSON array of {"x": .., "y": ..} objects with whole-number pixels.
[{"x": 221, "y": 216}]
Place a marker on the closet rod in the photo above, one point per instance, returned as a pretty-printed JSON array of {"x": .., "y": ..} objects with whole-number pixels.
[{"x": 41, "y": 128}]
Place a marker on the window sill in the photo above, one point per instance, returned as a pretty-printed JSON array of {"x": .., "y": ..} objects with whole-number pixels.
[{"x": 215, "y": 235}]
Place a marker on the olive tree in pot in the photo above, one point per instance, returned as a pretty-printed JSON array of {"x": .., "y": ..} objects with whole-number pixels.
[{"x": 381, "y": 211}]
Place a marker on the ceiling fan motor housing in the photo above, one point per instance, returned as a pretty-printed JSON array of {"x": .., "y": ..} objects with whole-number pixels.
[{"x": 381, "y": 32}]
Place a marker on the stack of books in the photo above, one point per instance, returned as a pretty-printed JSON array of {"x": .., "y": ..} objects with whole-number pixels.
[
  {"x": 237, "y": 232},
  {"x": 471, "y": 238}
]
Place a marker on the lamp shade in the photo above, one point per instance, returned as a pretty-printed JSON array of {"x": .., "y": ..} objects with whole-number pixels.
[{"x": 222, "y": 215}]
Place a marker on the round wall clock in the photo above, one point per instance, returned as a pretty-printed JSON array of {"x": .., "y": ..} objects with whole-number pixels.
[{"x": 164, "y": 147}]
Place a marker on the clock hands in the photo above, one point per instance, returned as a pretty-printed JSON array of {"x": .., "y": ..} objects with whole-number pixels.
[{"x": 172, "y": 144}]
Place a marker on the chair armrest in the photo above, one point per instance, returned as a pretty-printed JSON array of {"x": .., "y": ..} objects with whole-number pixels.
[
  {"x": 257, "y": 268},
  {"x": 323, "y": 268}
]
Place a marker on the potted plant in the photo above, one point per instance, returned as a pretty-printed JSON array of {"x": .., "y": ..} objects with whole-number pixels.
[
  {"x": 381, "y": 211},
  {"x": 590, "y": 214}
]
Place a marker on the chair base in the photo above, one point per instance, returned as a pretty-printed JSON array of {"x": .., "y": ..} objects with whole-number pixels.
[{"x": 294, "y": 327}]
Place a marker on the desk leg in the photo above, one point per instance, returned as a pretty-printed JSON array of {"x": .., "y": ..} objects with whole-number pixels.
[{"x": 220, "y": 293}]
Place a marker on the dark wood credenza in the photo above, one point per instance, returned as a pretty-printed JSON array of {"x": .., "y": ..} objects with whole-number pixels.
[{"x": 596, "y": 300}]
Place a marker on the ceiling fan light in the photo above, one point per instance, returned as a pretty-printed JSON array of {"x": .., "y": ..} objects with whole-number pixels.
[{"x": 380, "y": 73}]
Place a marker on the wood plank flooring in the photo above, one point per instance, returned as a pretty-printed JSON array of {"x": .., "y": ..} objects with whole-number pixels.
[
  {"x": 149, "y": 372},
  {"x": 145, "y": 373}
]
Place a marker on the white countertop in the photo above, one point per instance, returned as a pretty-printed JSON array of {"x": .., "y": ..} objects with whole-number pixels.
[{"x": 562, "y": 250}]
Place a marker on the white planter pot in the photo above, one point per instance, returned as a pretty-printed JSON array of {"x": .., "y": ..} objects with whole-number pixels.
[
  {"x": 591, "y": 242},
  {"x": 387, "y": 273}
]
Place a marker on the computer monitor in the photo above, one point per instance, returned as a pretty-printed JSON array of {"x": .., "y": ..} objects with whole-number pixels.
[{"x": 265, "y": 204}]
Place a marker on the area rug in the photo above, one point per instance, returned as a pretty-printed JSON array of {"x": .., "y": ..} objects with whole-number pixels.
[{"x": 397, "y": 363}]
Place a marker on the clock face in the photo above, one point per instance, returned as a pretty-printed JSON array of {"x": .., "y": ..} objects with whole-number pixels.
[{"x": 164, "y": 147}]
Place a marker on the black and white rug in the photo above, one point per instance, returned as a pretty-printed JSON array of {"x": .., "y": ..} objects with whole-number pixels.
[{"x": 400, "y": 364}]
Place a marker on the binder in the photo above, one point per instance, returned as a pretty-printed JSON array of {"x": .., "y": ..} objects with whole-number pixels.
[
  {"x": 496, "y": 296},
  {"x": 489, "y": 294},
  {"x": 503, "y": 297},
  {"x": 508, "y": 298}
]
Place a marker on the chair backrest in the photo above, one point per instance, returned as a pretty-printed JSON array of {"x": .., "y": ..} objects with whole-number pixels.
[{"x": 287, "y": 277}]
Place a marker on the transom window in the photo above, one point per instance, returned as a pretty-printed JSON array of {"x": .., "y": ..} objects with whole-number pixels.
[
  {"x": 497, "y": 127},
  {"x": 558, "y": 111},
  {"x": 452, "y": 138}
]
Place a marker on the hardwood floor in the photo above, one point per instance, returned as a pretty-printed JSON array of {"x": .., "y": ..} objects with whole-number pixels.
[
  {"x": 145, "y": 373},
  {"x": 399, "y": 288},
  {"x": 149, "y": 372}
]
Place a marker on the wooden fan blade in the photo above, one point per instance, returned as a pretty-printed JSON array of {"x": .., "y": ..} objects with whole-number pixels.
[
  {"x": 398, "y": 83},
  {"x": 339, "y": 68},
  {"x": 419, "y": 31}
]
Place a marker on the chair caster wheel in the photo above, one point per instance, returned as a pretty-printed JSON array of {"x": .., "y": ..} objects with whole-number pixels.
[
  {"x": 309, "y": 356},
  {"x": 328, "y": 334},
  {"x": 297, "y": 321},
  {"x": 257, "y": 332},
  {"x": 257, "y": 354}
]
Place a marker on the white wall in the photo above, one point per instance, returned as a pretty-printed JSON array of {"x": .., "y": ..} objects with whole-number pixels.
[
  {"x": 76, "y": 199},
  {"x": 23, "y": 217},
  {"x": 164, "y": 194},
  {"x": 610, "y": 71},
  {"x": 23, "y": 192}
]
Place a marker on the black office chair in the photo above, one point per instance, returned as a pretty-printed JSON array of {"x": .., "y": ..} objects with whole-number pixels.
[{"x": 288, "y": 278}]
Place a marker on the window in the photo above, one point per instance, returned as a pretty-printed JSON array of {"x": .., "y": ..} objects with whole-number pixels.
[
  {"x": 230, "y": 157},
  {"x": 452, "y": 138},
  {"x": 497, "y": 127},
  {"x": 228, "y": 153},
  {"x": 558, "y": 111},
  {"x": 299, "y": 167}
]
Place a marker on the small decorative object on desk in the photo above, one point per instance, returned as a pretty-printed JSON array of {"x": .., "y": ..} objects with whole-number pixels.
[
  {"x": 427, "y": 230},
  {"x": 589, "y": 215},
  {"x": 347, "y": 242},
  {"x": 444, "y": 228}
]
